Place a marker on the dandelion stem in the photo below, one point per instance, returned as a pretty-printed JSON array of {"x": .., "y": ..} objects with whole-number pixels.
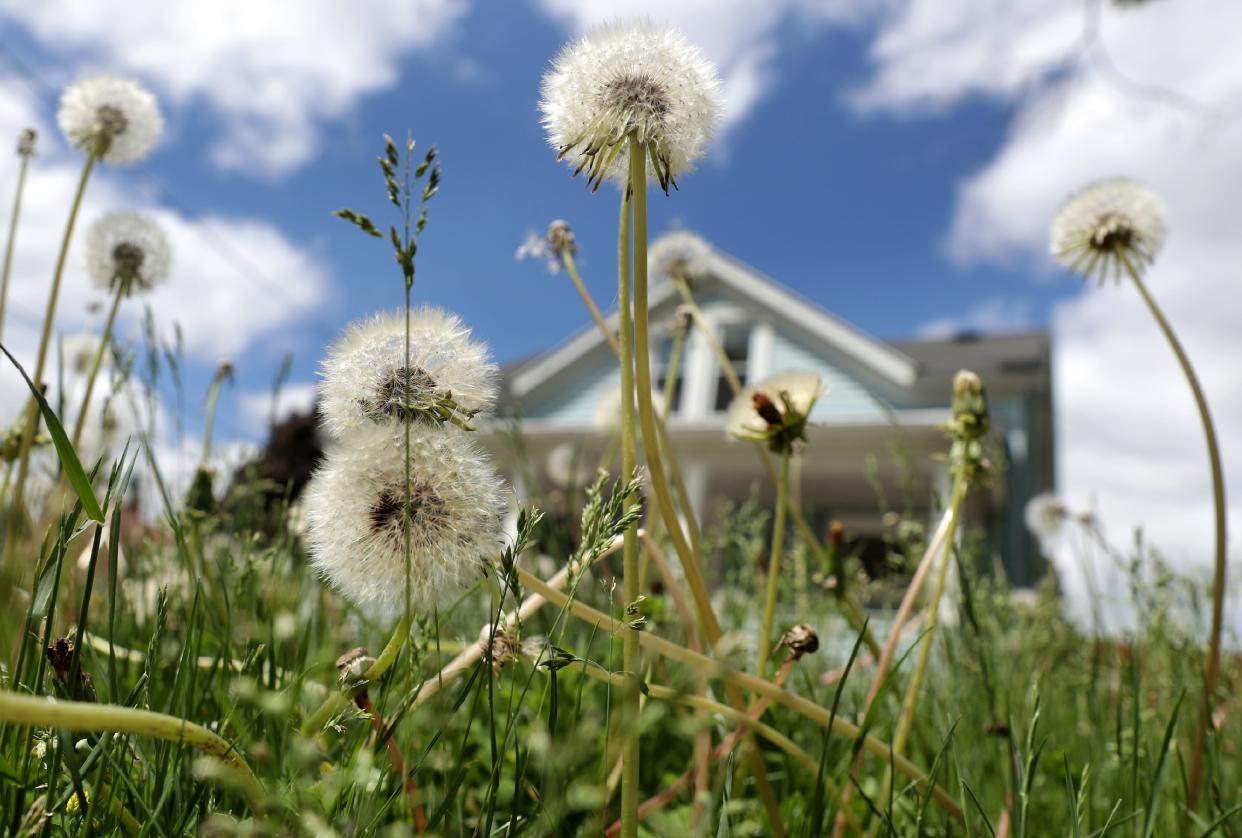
[
  {"x": 906, "y": 721},
  {"x": 631, "y": 653},
  {"x": 12, "y": 239},
  {"x": 709, "y": 627},
  {"x": 853, "y": 612},
  {"x": 774, "y": 567},
  {"x": 1212, "y": 669},
  {"x": 32, "y": 410},
  {"x": 571, "y": 268},
  {"x": 96, "y": 363},
  {"x": 715, "y": 669},
  {"x": 81, "y": 715}
]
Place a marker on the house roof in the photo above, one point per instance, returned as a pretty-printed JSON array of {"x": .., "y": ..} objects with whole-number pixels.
[{"x": 907, "y": 366}]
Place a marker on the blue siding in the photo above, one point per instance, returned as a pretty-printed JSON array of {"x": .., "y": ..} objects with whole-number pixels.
[
  {"x": 846, "y": 397},
  {"x": 575, "y": 399}
]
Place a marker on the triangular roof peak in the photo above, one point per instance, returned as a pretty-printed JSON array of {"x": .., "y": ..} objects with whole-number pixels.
[{"x": 697, "y": 257}]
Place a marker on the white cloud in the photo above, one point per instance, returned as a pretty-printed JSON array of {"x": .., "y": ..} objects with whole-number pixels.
[
  {"x": 219, "y": 305},
  {"x": 1129, "y": 438},
  {"x": 272, "y": 70},
  {"x": 995, "y": 314},
  {"x": 741, "y": 36},
  {"x": 256, "y": 405}
]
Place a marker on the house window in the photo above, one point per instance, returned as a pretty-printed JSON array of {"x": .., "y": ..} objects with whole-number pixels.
[{"x": 735, "y": 340}]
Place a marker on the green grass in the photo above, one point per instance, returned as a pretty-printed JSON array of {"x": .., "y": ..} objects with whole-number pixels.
[{"x": 222, "y": 625}]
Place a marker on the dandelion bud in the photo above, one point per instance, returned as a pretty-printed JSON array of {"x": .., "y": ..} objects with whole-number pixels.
[
  {"x": 682, "y": 322},
  {"x": 800, "y": 640},
  {"x": 371, "y": 377},
  {"x": 353, "y": 665},
  {"x": 561, "y": 237},
  {"x": 836, "y": 534},
  {"x": 1107, "y": 226},
  {"x": 127, "y": 252},
  {"x": 111, "y": 117},
  {"x": 505, "y": 647},
  {"x": 26, "y": 142},
  {"x": 632, "y": 80}
]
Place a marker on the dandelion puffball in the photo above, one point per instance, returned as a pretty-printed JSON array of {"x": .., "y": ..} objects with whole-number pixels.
[
  {"x": 1044, "y": 515},
  {"x": 680, "y": 255},
  {"x": 356, "y": 509},
  {"x": 749, "y": 416},
  {"x": 113, "y": 117},
  {"x": 127, "y": 251},
  {"x": 1107, "y": 224},
  {"x": 365, "y": 380},
  {"x": 628, "y": 80}
]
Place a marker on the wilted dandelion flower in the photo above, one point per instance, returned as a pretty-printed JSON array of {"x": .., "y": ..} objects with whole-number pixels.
[
  {"x": 1044, "y": 514},
  {"x": 628, "y": 80},
  {"x": 776, "y": 409},
  {"x": 113, "y": 117},
  {"x": 1107, "y": 224},
  {"x": 357, "y": 508},
  {"x": 128, "y": 252},
  {"x": 365, "y": 379},
  {"x": 27, "y": 142}
]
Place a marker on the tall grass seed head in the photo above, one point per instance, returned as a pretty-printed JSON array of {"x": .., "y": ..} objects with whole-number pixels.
[
  {"x": 365, "y": 381},
  {"x": 113, "y": 117},
  {"x": 129, "y": 251},
  {"x": 356, "y": 511},
  {"x": 1107, "y": 224},
  {"x": 632, "y": 79},
  {"x": 776, "y": 409}
]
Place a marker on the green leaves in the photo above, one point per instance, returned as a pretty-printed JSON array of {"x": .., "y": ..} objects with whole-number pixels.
[{"x": 64, "y": 449}]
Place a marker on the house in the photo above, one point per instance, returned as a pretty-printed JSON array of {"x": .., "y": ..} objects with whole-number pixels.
[{"x": 874, "y": 441}]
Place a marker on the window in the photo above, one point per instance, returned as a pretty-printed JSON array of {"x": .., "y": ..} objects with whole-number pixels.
[{"x": 735, "y": 340}]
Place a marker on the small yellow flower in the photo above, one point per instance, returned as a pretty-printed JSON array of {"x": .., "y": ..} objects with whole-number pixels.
[{"x": 75, "y": 804}]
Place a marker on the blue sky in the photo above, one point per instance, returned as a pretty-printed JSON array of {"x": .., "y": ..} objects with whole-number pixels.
[
  {"x": 851, "y": 210},
  {"x": 896, "y": 162}
]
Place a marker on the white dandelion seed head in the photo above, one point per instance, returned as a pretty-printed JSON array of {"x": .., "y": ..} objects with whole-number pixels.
[
  {"x": 356, "y": 512},
  {"x": 630, "y": 79},
  {"x": 116, "y": 116},
  {"x": 1044, "y": 515},
  {"x": 608, "y": 408},
  {"x": 802, "y": 389},
  {"x": 128, "y": 249},
  {"x": 78, "y": 353},
  {"x": 364, "y": 380},
  {"x": 680, "y": 254},
  {"x": 1105, "y": 222},
  {"x": 566, "y": 466}
]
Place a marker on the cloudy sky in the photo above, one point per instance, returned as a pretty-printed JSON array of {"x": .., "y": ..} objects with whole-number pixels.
[{"x": 896, "y": 162}]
